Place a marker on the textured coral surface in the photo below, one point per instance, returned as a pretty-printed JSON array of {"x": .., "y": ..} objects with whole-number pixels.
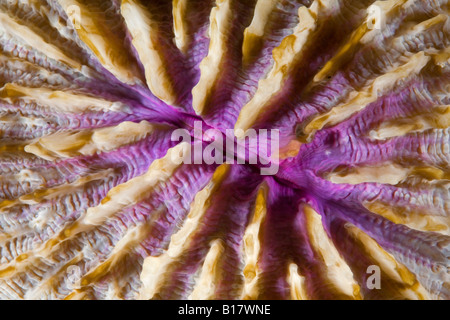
[{"x": 93, "y": 207}]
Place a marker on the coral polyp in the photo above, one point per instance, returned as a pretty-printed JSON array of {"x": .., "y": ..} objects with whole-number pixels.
[{"x": 353, "y": 97}]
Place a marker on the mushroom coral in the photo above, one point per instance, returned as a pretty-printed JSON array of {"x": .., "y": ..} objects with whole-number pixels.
[{"x": 92, "y": 205}]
